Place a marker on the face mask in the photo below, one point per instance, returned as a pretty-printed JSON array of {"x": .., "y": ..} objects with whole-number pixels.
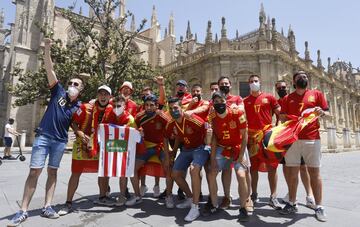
[
  {"x": 282, "y": 93},
  {"x": 73, "y": 91},
  {"x": 255, "y": 86},
  {"x": 301, "y": 83},
  {"x": 225, "y": 89},
  {"x": 198, "y": 97},
  {"x": 180, "y": 93},
  {"x": 220, "y": 107},
  {"x": 150, "y": 113},
  {"x": 118, "y": 110},
  {"x": 175, "y": 114}
]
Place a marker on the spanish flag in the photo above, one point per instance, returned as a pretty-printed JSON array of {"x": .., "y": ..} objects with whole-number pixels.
[
  {"x": 153, "y": 166},
  {"x": 279, "y": 139}
]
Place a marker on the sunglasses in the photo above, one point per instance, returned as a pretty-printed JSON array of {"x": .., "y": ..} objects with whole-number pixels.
[
  {"x": 71, "y": 83},
  {"x": 282, "y": 87}
]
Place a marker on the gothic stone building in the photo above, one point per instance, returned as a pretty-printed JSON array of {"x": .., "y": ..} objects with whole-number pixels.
[{"x": 263, "y": 51}]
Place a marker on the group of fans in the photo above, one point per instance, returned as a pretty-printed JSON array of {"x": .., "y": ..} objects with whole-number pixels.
[{"x": 222, "y": 134}]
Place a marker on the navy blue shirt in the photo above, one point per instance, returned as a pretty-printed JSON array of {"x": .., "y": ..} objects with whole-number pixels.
[{"x": 57, "y": 118}]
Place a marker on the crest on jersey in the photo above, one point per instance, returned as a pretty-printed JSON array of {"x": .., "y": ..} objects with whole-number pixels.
[
  {"x": 311, "y": 98},
  {"x": 265, "y": 100},
  {"x": 232, "y": 124}
]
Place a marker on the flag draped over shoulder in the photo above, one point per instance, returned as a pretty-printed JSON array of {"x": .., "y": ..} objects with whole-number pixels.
[
  {"x": 117, "y": 148},
  {"x": 278, "y": 140}
]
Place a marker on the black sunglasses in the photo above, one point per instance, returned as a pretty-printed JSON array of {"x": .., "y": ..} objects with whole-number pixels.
[{"x": 76, "y": 84}]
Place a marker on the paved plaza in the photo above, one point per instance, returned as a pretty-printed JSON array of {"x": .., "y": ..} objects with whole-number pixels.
[{"x": 341, "y": 182}]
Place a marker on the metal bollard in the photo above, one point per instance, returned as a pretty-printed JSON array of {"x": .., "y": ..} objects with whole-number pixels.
[
  {"x": 357, "y": 138},
  {"x": 331, "y": 137},
  {"x": 23, "y": 139}
]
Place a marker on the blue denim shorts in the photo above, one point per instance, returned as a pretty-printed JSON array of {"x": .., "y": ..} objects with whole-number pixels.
[
  {"x": 224, "y": 163},
  {"x": 44, "y": 146},
  {"x": 196, "y": 156},
  {"x": 150, "y": 152},
  {"x": 8, "y": 141}
]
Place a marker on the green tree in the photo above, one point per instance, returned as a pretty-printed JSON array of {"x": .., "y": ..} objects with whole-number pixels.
[{"x": 100, "y": 48}]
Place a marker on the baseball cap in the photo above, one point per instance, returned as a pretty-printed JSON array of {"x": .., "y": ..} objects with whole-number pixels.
[
  {"x": 106, "y": 88},
  {"x": 181, "y": 82},
  {"x": 127, "y": 84}
]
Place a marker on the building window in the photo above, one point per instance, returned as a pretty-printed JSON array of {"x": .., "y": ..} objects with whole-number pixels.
[{"x": 244, "y": 89}]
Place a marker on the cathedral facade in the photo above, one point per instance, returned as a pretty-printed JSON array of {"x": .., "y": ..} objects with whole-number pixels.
[{"x": 264, "y": 51}]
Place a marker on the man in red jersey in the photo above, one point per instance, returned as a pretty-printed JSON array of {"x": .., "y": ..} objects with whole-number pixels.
[
  {"x": 152, "y": 122},
  {"x": 126, "y": 90},
  {"x": 214, "y": 87},
  {"x": 228, "y": 147},
  {"x": 197, "y": 105},
  {"x": 234, "y": 102},
  {"x": 182, "y": 93},
  {"x": 259, "y": 109},
  {"x": 308, "y": 146},
  {"x": 84, "y": 160},
  {"x": 191, "y": 132},
  {"x": 281, "y": 89}
]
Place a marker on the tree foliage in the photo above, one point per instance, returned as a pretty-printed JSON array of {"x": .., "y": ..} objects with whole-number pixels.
[{"x": 100, "y": 47}]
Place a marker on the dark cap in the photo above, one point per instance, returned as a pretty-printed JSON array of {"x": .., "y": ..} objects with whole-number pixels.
[
  {"x": 173, "y": 100},
  {"x": 151, "y": 98},
  {"x": 182, "y": 82},
  {"x": 218, "y": 94}
]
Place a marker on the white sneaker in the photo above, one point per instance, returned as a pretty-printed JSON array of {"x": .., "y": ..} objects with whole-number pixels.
[
  {"x": 143, "y": 190},
  {"x": 120, "y": 201},
  {"x": 133, "y": 201},
  {"x": 169, "y": 202},
  {"x": 156, "y": 190},
  {"x": 310, "y": 202},
  {"x": 105, "y": 201},
  {"x": 193, "y": 213},
  {"x": 186, "y": 204}
]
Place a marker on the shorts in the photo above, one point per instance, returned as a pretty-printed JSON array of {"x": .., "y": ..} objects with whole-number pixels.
[
  {"x": 148, "y": 153},
  {"x": 309, "y": 150},
  {"x": 196, "y": 156},
  {"x": 8, "y": 141},
  {"x": 284, "y": 163},
  {"x": 225, "y": 163},
  {"x": 44, "y": 146}
]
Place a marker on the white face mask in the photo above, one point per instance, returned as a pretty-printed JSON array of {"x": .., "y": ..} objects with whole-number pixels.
[
  {"x": 73, "y": 91},
  {"x": 118, "y": 110},
  {"x": 255, "y": 86}
]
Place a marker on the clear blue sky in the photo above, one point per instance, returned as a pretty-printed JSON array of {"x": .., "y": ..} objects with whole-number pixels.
[{"x": 331, "y": 26}]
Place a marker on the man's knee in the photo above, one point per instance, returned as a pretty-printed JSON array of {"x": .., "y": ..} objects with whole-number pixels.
[
  {"x": 176, "y": 175},
  {"x": 52, "y": 172},
  {"x": 35, "y": 173}
]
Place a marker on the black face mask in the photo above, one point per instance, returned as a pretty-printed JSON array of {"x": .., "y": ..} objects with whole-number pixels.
[
  {"x": 282, "y": 93},
  {"x": 301, "y": 83},
  {"x": 180, "y": 93},
  {"x": 220, "y": 107},
  {"x": 150, "y": 113},
  {"x": 224, "y": 89},
  {"x": 197, "y": 96}
]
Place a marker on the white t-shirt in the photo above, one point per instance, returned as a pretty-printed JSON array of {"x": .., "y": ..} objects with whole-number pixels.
[{"x": 8, "y": 126}]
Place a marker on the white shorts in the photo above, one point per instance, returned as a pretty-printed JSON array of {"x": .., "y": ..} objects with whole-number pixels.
[{"x": 310, "y": 150}]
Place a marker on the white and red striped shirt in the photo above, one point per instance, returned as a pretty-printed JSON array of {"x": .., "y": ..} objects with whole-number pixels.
[{"x": 117, "y": 147}]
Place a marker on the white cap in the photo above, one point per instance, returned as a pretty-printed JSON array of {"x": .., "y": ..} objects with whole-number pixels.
[
  {"x": 127, "y": 84},
  {"x": 104, "y": 87}
]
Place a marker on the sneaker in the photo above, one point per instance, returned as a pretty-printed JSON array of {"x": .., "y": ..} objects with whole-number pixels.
[
  {"x": 225, "y": 203},
  {"x": 49, "y": 212},
  {"x": 156, "y": 190},
  {"x": 274, "y": 203},
  {"x": 243, "y": 215},
  {"x": 285, "y": 200},
  {"x": 201, "y": 197},
  {"x": 133, "y": 201},
  {"x": 249, "y": 206},
  {"x": 320, "y": 214},
  {"x": 105, "y": 201},
  {"x": 254, "y": 198},
  {"x": 180, "y": 195},
  {"x": 209, "y": 209},
  {"x": 288, "y": 209},
  {"x": 143, "y": 190},
  {"x": 169, "y": 202},
  {"x": 186, "y": 204},
  {"x": 108, "y": 192},
  {"x": 310, "y": 202},
  {"x": 127, "y": 193},
  {"x": 193, "y": 213},
  {"x": 66, "y": 209},
  {"x": 19, "y": 217},
  {"x": 121, "y": 200},
  {"x": 162, "y": 195}
]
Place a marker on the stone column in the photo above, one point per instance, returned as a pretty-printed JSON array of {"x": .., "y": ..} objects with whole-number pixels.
[
  {"x": 346, "y": 138},
  {"x": 331, "y": 137},
  {"x": 357, "y": 138}
]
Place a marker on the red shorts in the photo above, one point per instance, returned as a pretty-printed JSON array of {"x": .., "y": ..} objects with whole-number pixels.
[
  {"x": 260, "y": 163},
  {"x": 84, "y": 166}
]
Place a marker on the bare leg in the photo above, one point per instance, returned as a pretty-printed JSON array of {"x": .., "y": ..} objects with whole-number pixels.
[
  {"x": 72, "y": 186},
  {"x": 135, "y": 179},
  {"x": 272, "y": 178},
  {"x": 30, "y": 187},
  {"x": 305, "y": 178},
  {"x": 316, "y": 184},
  {"x": 242, "y": 187},
  {"x": 195, "y": 182},
  {"x": 103, "y": 183},
  {"x": 226, "y": 181},
  {"x": 254, "y": 180},
  {"x": 179, "y": 178},
  {"x": 293, "y": 183},
  {"x": 50, "y": 186}
]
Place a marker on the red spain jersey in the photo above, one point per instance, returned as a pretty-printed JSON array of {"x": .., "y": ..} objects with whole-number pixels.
[
  {"x": 154, "y": 126},
  {"x": 124, "y": 119},
  {"x": 191, "y": 131},
  {"x": 185, "y": 100},
  {"x": 227, "y": 129},
  {"x": 259, "y": 110},
  {"x": 295, "y": 104},
  {"x": 131, "y": 107},
  {"x": 230, "y": 100},
  {"x": 203, "y": 114}
]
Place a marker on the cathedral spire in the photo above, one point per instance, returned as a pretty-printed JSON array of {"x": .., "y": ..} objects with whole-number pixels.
[
  {"x": 122, "y": 9},
  {"x": 237, "y": 34},
  {"x": 223, "y": 29},
  {"x": 216, "y": 38},
  {"x": 2, "y": 18},
  {"x": 171, "y": 25},
  {"x": 307, "y": 53},
  {"x": 80, "y": 11},
  {"x": 189, "y": 35},
  {"x": 132, "y": 25},
  {"x": 208, "y": 32},
  {"x": 165, "y": 33},
  {"x": 154, "y": 20},
  {"x": 319, "y": 63},
  {"x": 262, "y": 12}
]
